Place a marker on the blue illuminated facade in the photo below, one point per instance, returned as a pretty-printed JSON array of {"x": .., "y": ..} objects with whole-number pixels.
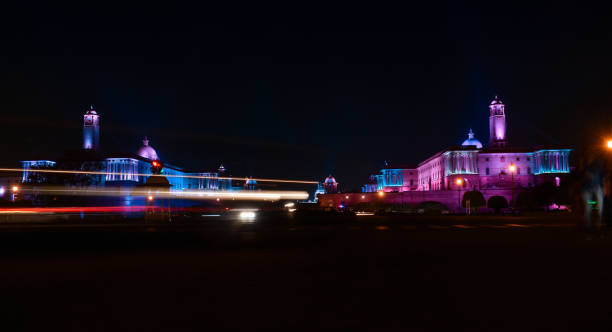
[
  {"x": 91, "y": 129},
  {"x": 128, "y": 169},
  {"x": 551, "y": 161},
  {"x": 29, "y": 169}
]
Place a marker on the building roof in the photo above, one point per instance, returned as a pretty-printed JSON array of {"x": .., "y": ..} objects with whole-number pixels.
[{"x": 470, "y": 148}]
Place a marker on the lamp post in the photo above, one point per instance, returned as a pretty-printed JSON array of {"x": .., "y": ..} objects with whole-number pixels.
[
  {"x": 512, "y": 169},
  {"x": 459, "y": 183},
  {"x": 15, "y": 189}
]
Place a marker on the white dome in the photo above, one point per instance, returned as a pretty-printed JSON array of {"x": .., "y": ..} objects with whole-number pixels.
[
  {"x": 147, "y": 151},
  {"x": 472, "y": 141}
]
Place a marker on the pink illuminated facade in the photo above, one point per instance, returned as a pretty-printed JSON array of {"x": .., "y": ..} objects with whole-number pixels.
[{"x": 496, "y": 168}]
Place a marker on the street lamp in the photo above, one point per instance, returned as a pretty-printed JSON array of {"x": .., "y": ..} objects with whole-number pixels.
[
  {"x": 15, "y": 189},
  {"x": 459, "y": 182},
  {"x": 609, "y": 144},
  {"x": 512, "y": 169}
]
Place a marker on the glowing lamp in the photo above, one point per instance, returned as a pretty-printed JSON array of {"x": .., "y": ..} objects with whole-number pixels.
[
  {"x": 150, "y": 198},
  {"x": 347, "y": 196},
  {"x": 512, "y": 168},
  {"x": 459, "y": 182},
  {"x": 380, "y": 193},
  {"x": 609, "y": 144},
  {"x": 15, "y": 189}
]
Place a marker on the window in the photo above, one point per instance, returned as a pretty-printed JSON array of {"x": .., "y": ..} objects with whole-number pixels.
[
  {"x": 487, "y": 171},
  {"x": 502, "y": 159},
  {"x": 528, "y": 159},
  {"x": 411, "y": 181},
  {"x": 487, "y": 159},
  {"x": 518, "y": 159},
  {"x": 528, "y": 170},
  {"x": 518, "y": 171}
]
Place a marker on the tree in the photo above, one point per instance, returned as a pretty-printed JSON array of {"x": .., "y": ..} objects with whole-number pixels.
[
  {"x": 497, "y": 203},
  {"x": 544, "y": 193},
  {"x": 526, "y": 200},
  {"x": 475, "y": 198}
]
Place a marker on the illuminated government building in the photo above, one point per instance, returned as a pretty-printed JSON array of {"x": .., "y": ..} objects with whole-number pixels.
[
  {"x": 127, "y": 169},
  {"x": 495, "y": 169}
]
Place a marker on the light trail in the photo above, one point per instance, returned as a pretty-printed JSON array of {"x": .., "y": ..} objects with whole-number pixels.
[
  {"x": 146, "y": 175},
  {"x": 156, "y": 193}
]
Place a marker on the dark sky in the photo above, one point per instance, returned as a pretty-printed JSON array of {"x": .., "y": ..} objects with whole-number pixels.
[{"x": 300, "y": 91}]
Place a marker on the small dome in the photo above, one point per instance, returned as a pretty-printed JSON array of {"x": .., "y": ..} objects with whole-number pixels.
[
  {"x": 472, "y": 141},
  {"x": 147, "y": 151},
  {"x": 91, "y": 110},
  {"x": 496, "y": 101},
  {"x": 330, "y": 179}
]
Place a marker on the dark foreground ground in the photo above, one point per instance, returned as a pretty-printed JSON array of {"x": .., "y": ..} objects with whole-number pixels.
[{"x": 377, "y": 273}]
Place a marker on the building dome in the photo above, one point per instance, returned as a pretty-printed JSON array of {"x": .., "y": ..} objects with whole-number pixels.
[
  {"x": 472, "y": 141},
  {"x": 329, "y": 180},
  {"x": 91, "y": 110},
  {"x": 147, "y": 151},
  {"x": 496, "y": 101}
]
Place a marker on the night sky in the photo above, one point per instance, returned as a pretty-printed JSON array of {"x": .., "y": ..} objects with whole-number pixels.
[{"x": 303, "y": 91}]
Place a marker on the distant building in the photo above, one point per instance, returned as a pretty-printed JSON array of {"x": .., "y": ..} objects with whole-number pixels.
[
  {"x": 497, "y": 169},
  {"x": 478, "y": 167},
  {"x": 120, "y": 168}
]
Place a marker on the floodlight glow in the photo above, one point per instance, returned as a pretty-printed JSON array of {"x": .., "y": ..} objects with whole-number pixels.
[
  {"x": 512, "y": 168},
  {"x": 609, "y": 144}
]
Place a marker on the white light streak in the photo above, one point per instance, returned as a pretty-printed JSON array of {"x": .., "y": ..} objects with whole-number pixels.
[
  {"x": 193, "y": 194},
  {"x": 146, "y": 175}
]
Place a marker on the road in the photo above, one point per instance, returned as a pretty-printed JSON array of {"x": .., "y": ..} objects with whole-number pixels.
[{"x": 385, "y": 273}]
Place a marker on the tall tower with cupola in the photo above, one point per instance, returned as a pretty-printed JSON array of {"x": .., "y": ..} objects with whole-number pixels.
[
  {"x": 497, "y": 124},
  {"x": 91, "y": 129}
]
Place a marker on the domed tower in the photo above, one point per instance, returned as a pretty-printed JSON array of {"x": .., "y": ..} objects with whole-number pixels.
[
  {"x": 330, "y": 185},
  {"x": 472, "y": 141},
  {"x": 147, "y": 151},
  {"x": 497, "y": 124},
  {"x": 91, "y": 129}
]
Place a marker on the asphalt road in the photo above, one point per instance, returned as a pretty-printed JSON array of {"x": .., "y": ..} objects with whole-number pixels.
[{"x": 394, "y": 273}]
